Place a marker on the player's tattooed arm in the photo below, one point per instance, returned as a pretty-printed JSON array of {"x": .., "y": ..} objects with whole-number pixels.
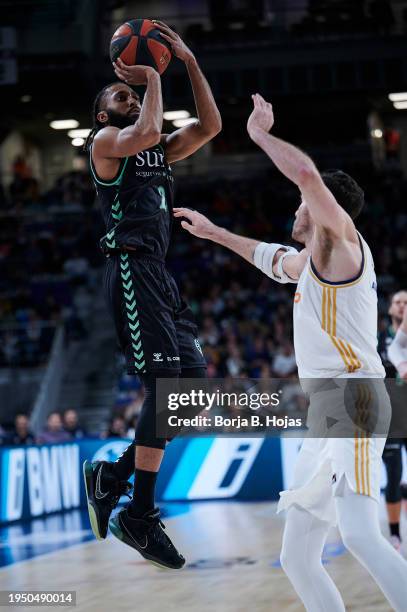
[
  {"x": 299, "y": 168},
  {"x": 186, "y": 140},
  {"x": 112, "y": 142}
]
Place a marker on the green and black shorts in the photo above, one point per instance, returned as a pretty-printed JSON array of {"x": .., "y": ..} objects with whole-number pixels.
[{"x": 156, "y": 330}]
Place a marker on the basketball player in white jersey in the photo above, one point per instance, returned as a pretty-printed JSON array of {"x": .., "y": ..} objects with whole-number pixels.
[
  {"x": 397, "y": 351},
  {"x": 335, "y": 336}
]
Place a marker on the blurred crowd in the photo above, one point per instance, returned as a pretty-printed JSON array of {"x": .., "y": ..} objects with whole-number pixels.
[
  {"x": 63, "y": 427},
  {"x": 48, "y": 252},
  {"x": 59, "y": 428}
]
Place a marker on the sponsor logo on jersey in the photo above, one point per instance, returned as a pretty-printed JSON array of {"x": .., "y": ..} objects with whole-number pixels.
[
  {"x": 198, "y": 346},
  {"x": 151, "y": 159},
  {"x": 157, "y": 357}
]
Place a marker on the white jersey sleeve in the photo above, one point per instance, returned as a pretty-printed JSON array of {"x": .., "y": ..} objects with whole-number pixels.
[{"x": 397, "y": 351}]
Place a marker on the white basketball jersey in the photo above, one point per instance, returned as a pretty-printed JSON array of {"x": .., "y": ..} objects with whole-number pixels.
[{"x": 335, "y": 324}]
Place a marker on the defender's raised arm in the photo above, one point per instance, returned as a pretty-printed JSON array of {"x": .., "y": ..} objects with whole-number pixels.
[{"x": 301, "y": 170}]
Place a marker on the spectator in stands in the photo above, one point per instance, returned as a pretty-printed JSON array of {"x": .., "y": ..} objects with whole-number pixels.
[
  {"x": 117, "y": 428},
  {"x": 3, "y": 436},
  {"x": 22, "y": 433},
  {"x": 71, "y": 424},
  {"x": 54, "y": 431},
  {"x": 132, "y": 424},
  {"x": 284, "y": 363},
  {"x": 77, "y": 268}
]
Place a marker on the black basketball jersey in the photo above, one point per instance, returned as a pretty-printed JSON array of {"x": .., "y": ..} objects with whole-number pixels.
[{"x": 137, "y": 204}]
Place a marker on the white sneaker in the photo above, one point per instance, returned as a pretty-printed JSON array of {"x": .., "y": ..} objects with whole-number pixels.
[{"x": 396, "y": 543}]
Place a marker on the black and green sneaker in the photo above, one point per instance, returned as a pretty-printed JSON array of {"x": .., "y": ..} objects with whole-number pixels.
[
  {"x": 147, "y": 536},
  {"x": 103, "y": 491}
]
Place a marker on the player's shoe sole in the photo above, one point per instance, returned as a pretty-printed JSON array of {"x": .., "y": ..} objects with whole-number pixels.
[
  {"x": 89, "y": 488},
  {"x": 125, "y": 537}
]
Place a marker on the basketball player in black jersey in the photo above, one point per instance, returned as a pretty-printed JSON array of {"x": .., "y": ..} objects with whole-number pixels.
[
  {"x": 130, "y": 161},
  {"x": 392, "y": 454}
]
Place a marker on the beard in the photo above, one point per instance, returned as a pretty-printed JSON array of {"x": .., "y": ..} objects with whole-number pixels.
[
  {"x": 302, "y": 228},
  {"x": 119, "y": 120}
]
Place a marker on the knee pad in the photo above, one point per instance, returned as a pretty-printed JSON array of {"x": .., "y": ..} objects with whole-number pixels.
[
  {"x": 393, "y": 493},
  {"x": 393, "y": 462},
  {"x": 146, "y": 428},
  {"x": 186, "y": 383}
]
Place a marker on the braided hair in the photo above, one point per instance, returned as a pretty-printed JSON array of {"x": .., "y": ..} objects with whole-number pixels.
[{"x": 97, "y": 107}]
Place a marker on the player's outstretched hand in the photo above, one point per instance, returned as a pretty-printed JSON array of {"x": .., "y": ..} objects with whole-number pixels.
[
  {"x": 133, "y": 75},
  {"x": 262, "y": 116},
  {"x": 178, "y": 47},
  {"x": 196, "y": 224}
]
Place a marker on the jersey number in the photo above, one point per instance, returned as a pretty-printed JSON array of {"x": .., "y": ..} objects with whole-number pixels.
[{"x": 163, "y": 204}]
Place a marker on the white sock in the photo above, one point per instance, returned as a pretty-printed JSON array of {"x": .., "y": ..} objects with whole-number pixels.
[
  {"x": 301, "y": 558},
  {"x": 358, "y": 522}
]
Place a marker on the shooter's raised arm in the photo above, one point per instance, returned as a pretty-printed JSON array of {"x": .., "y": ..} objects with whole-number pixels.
[
  {"x": 113, "y": 142},
  {"x": 186, "y": 140}
]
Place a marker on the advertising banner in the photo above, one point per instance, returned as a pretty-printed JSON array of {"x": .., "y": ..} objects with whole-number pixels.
[{"x": 40, "y": 480}]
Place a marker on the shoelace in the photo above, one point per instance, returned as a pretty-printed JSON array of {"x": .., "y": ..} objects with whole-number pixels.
[{"x": 160, "y": 534}]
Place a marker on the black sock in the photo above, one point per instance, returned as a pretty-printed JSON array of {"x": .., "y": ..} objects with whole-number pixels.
[
  {"x": 395, "y": 529},
  {"x": 144, "y": 492},
  {"x": 123, "y": 467}
]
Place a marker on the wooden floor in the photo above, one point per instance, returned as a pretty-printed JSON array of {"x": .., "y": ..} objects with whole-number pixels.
[{"x": 232, "y": 551}]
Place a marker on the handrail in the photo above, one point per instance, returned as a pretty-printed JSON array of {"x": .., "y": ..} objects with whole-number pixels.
[{"x": 51, "y": 383}]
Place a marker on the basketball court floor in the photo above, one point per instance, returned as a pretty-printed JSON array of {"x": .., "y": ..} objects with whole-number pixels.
[{"x": 232, "y": 552}]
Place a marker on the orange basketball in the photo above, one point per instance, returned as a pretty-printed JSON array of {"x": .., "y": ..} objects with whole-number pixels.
[{"x": 138, "y": 41}]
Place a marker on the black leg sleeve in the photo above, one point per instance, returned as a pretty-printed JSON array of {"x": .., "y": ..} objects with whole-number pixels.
[{"x": 393, "y": 462}]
